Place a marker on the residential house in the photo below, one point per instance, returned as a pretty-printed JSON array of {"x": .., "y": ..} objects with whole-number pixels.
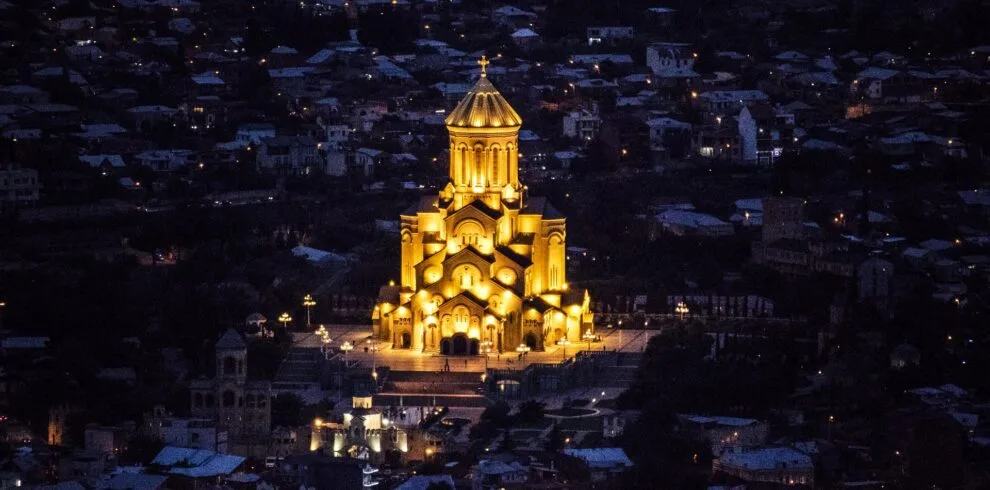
[
  {"x": 19, "y": 186},
  {"x": 289, "y": 155},
  {"x": 778, "y": 465},
  {"x": 253, "y": 133},
  {"x": 724, "y": 432},
  {"x": 605, "y": 463},
  {"x": 582, "y": 124},
  {"x": 608, "y": 35}
]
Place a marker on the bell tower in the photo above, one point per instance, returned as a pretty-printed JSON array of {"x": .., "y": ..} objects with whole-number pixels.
[{"x": 484, "y": 145}]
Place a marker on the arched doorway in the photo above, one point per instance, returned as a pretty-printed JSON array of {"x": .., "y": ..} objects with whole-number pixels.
[
  {"x": 530, "y": 340},
  {"x": 405, "y": 340},
  {"x": 445, "y": 347},
  {"x": 459, "y": 344},
  {"x": 473, "y": 347}
]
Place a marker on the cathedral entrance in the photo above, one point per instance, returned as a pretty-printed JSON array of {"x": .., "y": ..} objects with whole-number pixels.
[
  {"x": 530, "y": 341},
  {"x": 404, "y": 341},
  {"x": 459, "y": 345}
]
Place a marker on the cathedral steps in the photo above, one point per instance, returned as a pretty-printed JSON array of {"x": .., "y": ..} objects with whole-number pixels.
[
  {"x": 407, "y": 400},
  {"x": 433, "y": 383}
]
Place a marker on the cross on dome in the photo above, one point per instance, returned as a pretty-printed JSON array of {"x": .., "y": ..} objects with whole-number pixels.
[{"x": 484, "y": 64}]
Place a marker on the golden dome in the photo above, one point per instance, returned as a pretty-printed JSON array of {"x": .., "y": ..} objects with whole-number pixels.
[{"x": 483, "y": 107}]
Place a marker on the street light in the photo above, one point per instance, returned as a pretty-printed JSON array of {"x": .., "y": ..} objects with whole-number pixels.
[
  {"x": 486, "y": 348},
  {"x": 523, "y": 349},
  {"x": 285, "y": 319},
  {"x": 588, "y": 336},
  {"x": 563, "y": 343},
  {"x": 346, "y": 347},
  {"x": 681, "y": 309},
  {"x": 325, "y": 345},
  {"x": 373, "y": 347},
  {"x": 309, "y": 303}
]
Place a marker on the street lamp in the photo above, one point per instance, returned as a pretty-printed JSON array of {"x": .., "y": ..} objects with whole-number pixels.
[
  {"x": 681, "y": 309},
  {"x": 346, "y": 347},
  {"x": 325, "y": 345},
  {"x": 285, "y": 319},
  {"x": 373, "y": 347},
  {"x": 563, "y": 343},
  {"x": 485, "y": 349},
  {"x": 309, "y": 303},
  {"x": 588, "y": 336}
]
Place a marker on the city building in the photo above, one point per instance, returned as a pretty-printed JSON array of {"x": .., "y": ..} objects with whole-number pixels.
[
  {"x": 781, "y": 465},
  {"x": 724, "y": 432},
  {"x": 582, "y": 124},
  {"x": 482, "y": 261},
  {"x": 18, "y": 186},
  {"x": 608, "y": 35},
  {"x": 365, "y": 433},
  {"x": 240, "y": 407}
]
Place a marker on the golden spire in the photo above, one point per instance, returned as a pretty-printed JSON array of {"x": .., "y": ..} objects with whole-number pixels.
[{"x": 484, "y": 64}]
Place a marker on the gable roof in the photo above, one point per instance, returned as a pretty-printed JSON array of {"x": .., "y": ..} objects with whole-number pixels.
[{"x": 231, "y": 340}]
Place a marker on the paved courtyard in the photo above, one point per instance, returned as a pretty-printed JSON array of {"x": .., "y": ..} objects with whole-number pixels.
[{"x": 407, "y": 360}]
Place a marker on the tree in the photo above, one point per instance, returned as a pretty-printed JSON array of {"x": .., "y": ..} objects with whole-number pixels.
[
  {"x": 287, "y": 410},
  {"x": 555, "y": 440},
  {"x": 530, "y": 411}
]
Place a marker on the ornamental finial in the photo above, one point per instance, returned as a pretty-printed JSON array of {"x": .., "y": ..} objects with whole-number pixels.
[{"x": 484, "y": 64}]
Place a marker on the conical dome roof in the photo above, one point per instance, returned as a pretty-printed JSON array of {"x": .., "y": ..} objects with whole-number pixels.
[{"x": 483, "y": 107}]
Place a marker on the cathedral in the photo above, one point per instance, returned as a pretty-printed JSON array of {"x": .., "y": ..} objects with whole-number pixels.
[{"x": 482, "y": 261}]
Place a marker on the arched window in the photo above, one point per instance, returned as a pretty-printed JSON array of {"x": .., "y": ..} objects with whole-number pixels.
[
  {"x": 229, "y": 366},
  {"x": 228, "y": 398}
]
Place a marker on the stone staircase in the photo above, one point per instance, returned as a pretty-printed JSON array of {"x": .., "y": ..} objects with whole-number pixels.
[{"x": 455, "y": 388}]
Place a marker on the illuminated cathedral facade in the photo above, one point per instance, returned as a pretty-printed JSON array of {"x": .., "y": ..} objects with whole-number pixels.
[{"x": 483, "y": 264}]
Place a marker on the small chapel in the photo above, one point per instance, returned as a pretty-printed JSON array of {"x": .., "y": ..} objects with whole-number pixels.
[{"x": 483, "y": 264}]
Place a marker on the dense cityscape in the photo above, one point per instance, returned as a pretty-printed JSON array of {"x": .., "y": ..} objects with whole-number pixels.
[{"x": 465, "y": 244}]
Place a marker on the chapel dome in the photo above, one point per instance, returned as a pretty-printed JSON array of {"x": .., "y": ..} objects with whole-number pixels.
[{"x": 483, "y": 107}]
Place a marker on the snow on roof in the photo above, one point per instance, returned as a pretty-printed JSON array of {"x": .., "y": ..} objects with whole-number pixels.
[
  {"x": 321, "y": 56},
  {"x": 283, "y": 50},
  {"x": 688, "y": 218},
  {"x": 601, "y": 457},
  {"x": 976, "y": 197},
  {"x": 24, "y": 342},
  {"x": 525, "y": 33},
  {"x": 914, "y": 252},
  {"x": 152, "y": 108},
  {"x": 197, "y": 463},
  {"x": 791, "y": 56},
  {"x": 877, "y": 73},
  {"x": 316, "y": 255},
  {"x": 97, "y": 160},
  {"x": 422, "y": 482},
  {"x": 291, "y": 72},
  {"x": 496, "y": 467},
  {"x": 667, "y": 122},
  {"x": 730, "y": 95},
  {"x": 751, "y": 204},
  {"x": 715, "y": 419},
  {"x": 207, "y": 78},
  {"x": 767, "y": 459},
  {"x": 936, "y": 245}
]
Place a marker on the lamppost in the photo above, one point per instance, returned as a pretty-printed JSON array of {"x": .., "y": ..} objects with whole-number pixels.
[
  {"x": 485, "y": 349},
  {"x": 346, "y": 347},
  {"x": 588, "y": 336},
  {"x": 309, "y": 303},
  {"x": 285, "y": 319},
  {"x": 373, "y": 347},
  {"x": 563, "y": 343},
  {"x": 681, "y": 309},
  {"x": 325, "y": 345}
]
